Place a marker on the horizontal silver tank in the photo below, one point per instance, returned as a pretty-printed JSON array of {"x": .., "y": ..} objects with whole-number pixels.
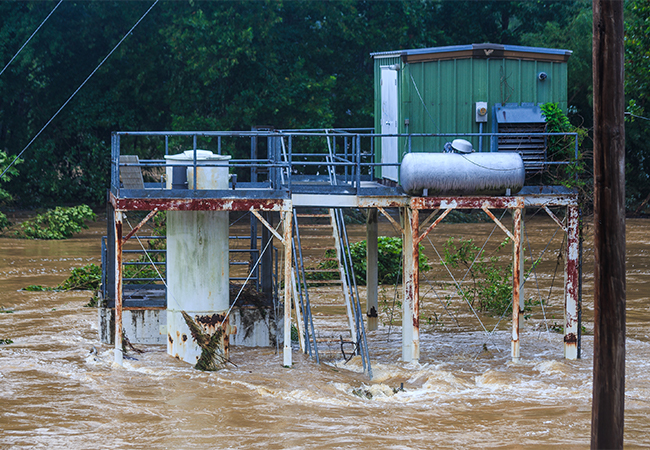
[{"x": 462, "y": 174}]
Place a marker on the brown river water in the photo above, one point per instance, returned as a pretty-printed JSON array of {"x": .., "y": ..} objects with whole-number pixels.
[{"x": 463, "y": 393}]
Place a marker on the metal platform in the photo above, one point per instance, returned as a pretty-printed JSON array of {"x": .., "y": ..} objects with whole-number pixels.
[{"x": 297, "y": 171}]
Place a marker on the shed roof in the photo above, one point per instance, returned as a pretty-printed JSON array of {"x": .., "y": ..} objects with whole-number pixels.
[{"x": 477, "y": 51}]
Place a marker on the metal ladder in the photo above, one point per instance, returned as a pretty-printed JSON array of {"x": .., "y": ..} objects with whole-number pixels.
[{"x": 346, "y": 279}]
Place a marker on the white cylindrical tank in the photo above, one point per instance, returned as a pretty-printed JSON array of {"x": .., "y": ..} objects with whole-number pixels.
[
  {"x": 197, "y": 259},
  {"x": 462, "y": 174}
]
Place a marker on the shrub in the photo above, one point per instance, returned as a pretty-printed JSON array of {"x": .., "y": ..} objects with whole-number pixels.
[
  {"x": 490, "y": 285},
  {"x": 59, "y": 223},
  {"x": 389, "y": 261}
]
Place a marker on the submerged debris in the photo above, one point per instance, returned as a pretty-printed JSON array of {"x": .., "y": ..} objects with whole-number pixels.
[
  {"x": 212, "y": 357},
  {"x": 363, "y": 393}
]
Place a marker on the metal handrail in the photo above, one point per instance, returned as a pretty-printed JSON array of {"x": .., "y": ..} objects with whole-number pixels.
[{"x": 352, "y": 160}]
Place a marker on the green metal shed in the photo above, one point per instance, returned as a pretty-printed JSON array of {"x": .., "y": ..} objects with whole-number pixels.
[{"x": 477, "y": 88}]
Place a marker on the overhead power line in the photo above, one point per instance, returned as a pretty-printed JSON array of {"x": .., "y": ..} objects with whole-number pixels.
[
  {"x": 30, "y": 38},
  {"x": 78, "y": 89}
]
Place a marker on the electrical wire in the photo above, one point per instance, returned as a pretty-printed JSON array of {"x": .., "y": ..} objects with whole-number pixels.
[
  {"x": 78, "y": 89},
  {"x": 635, "y": 116},
  {"x": 424, "y": 104},
  {"x": 30, "y": 38}
]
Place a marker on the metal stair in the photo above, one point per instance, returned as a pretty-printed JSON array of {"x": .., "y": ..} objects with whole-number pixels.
[{"x": 326, "y": 333}]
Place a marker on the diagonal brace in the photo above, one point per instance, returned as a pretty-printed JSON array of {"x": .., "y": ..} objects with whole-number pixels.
[
  {"x": 267, "y": 225},
  {"x": 395, "y": 224},
  {"x": 555, "y": 219},
  {"x": 497, "y": 221},
  {"x": 140, "y": 225},
  {"x": 433, "y": 225}
]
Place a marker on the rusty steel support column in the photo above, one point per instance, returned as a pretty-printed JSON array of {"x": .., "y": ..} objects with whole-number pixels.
[
  {"x": 516, "y": 285},
  {"x": 372, "y": 269},
  {"x": 411, "y": 302},
  {"x": 571, "y": 284},
  {"x": 118, "y": 287},
  {"x": 287, "y": 224}
]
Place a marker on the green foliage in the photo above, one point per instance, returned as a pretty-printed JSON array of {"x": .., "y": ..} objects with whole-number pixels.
[
  {"x": 637, "y": 91},
  {"x": 6, "y": 341},
  {"x": 59, "y": 223},
  {"x": 388, "y": 261},
  {"x": 36, "y": 288},
  {"x": 490, "y": 283},
  {"x": 562, "y": 148},
  {"x": 6, "y": 197},
  {"x": 88, "y": 278}
]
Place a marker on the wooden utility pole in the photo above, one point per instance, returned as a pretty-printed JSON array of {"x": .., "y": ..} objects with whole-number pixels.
[{"x": 609, "y": 226}]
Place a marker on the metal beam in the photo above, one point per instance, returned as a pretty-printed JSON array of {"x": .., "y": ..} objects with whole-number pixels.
[
  {"x": 411, "y": 303},
  {"x": 267, "y": 225},
  {"x": 516, "y": 285},
  {"x": 118, "y": 287},
  {"x": 140, "y": 225},
  {"x": 397, "y": 226},
  {"x": 372, "y": 269},
  {"x": 432, "y": 226},
  {"x": 287, "y": 225},
  {"x": 571, "y": 283}
]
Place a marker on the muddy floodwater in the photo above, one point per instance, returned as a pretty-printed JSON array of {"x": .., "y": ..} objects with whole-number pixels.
[{"x": 57, "y": 392}]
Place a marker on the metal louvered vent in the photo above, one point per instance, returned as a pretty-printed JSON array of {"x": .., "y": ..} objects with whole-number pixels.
[{"x": 532, "y": 148}]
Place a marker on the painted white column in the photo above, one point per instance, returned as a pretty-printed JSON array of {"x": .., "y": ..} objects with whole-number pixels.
[{"x": 197, "y": 260}]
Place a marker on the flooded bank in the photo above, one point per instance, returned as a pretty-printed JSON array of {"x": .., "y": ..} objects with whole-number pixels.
[{"x": 60, "y": 388}]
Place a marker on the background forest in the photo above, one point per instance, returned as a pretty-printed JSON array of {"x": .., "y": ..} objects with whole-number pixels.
[{"x": 193, "y": 65}]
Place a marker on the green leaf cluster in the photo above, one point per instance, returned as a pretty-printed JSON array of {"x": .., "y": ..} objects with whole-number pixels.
[
  {"x": 490, "y": 283},
  {"x": 59, "y": 223},
  {"x": 389, "y": 261}
]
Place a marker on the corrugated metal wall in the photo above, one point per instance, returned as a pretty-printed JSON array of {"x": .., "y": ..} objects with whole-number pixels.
[{"x": 440, "y": 96}]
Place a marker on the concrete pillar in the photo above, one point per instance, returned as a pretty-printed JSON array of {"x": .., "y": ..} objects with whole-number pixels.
[
  {"x": 411, "y": 301},
  {"x": 197, "y": 277},
  {"x": 571, "y": 285},
  {"x": 372, "y": 270}
]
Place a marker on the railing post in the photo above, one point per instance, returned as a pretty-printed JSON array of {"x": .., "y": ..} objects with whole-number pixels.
[{"x": 358, "y": 163}]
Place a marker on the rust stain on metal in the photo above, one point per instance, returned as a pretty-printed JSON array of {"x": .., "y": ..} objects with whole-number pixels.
[
  {"x": 516, "y": 283},
  {"x": 171, "y": 340},
  {"x": 184, "y": 337},
  {"x": 211, "y": 204},
  {"x": 466, "y": 202},
  {"x": 570, "y": 338},
  {"x": 372, "y": 312},
  {"x": 118, "y": 286}
]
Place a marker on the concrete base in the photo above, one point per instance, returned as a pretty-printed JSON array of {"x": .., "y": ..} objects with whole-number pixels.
[{"x": 254, "y": 327}]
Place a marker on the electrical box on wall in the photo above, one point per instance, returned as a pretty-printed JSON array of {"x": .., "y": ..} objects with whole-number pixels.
[{"x": 481, "y": 112}]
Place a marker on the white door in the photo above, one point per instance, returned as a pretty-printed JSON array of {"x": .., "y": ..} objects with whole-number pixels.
[{"x": 389, "y": 122}]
